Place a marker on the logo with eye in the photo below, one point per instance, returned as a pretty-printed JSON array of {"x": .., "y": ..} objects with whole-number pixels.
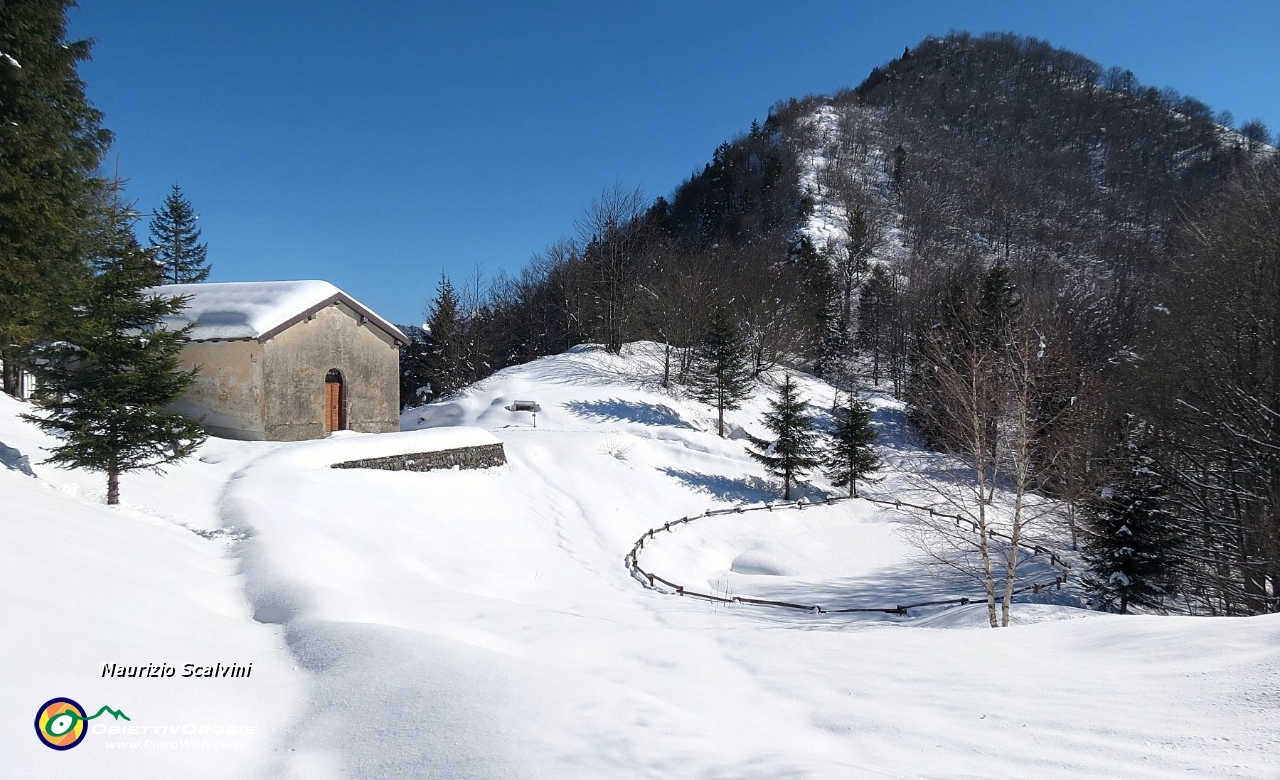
[{"x": 60, "y": 722}]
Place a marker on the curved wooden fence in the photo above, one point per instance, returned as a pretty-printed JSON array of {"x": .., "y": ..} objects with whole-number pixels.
[{"x": 632, "y": 560}]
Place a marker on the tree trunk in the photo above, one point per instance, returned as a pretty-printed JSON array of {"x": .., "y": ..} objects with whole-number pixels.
[
  {"x": 12, "y": 372},
  {"x": 666, "y": 366},
  {"x": 720, "y": 409},
  {"x": 1011, "y": 565},
  {"x": 113, "y": 484},
  {"x": 980, "y": 473},
  {"x": 988, "y": 581}
]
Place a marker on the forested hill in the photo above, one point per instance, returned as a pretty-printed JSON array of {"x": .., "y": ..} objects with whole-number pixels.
[{"x": 974, "y": 193}]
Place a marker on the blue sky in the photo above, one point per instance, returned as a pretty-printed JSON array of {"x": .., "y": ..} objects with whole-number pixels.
[{"x": 377, "y": 144}]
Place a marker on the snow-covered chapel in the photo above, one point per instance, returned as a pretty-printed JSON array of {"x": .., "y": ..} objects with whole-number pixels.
[{"x": 284, "y": 361}]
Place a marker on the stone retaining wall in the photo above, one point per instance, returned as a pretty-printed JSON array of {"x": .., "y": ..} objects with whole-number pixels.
[{"x": 480, "y": 457}]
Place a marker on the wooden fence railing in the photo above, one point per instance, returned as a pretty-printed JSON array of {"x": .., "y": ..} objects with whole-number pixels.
[{"x": 649, "y": 579}]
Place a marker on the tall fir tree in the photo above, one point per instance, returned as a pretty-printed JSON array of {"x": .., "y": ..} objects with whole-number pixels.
[
  {"x": 176, "y": 241},
  {"x": 1133, "y": 546},
  {"x": 51, "y": 145},
  {"x": 836, "y": 349},
  {"x": 851, "y": 453},
  {"x": 875, "y": 305},
  {"x": 444, "y": 352},
  {"x": 829, "y": 342},
  {"x": 998, "y": 304},
  {"x": 104, "y": 388},
  {"x": 794, "y": 451},
  {"x": 721, "y": 373}
]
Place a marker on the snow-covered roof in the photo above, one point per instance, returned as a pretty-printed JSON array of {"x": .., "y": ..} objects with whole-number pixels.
[{"x": 258, "y": 310}]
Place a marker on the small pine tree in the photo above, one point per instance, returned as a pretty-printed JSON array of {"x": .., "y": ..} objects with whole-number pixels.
[
  {"x": 795, "y": 450},
  {"x": 722, "y": 367},
  {"x": 176, "y": 241},
  {"x": 1133, "y": 543},
  {"x": 850, "y": 454},
  {"x": 104, "y": 387}
]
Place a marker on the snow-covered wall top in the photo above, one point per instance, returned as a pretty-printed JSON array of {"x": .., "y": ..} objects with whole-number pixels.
[
  {"x": 346, "y": 446},
  {"x": 250, "y": 310}
]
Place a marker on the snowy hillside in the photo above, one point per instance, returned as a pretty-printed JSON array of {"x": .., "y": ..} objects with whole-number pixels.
[
  {"x": 845, "y": 163},
  {"x": 482, "y": 624}
]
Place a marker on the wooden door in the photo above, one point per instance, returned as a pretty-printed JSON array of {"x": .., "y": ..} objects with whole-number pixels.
[{"x": 332, "y": 405}]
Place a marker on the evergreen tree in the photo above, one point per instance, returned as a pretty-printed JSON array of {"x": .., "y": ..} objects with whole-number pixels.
[
  {"x": 443, "y": 357},
  {"x": 874, "y": 310},
  {"x": 176, "y": 241},
  {"x": 415, "y": 387},
  {"x": 850, "y": 456},
  {"x": 105, "y": 386},
  {"x": 822, "y": 298},
  {"x": 50, "y": 146},
  {"x": 998, "y": 304},
  {"x": 795, "y": 451},
  {"x": 835, "y": 349},
  {"x": 721, "y": 373},
  {"x": 1133, "y": 547}
]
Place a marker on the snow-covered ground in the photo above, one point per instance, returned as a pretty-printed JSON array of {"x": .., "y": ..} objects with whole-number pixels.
[{"x": 482, "y": 624}]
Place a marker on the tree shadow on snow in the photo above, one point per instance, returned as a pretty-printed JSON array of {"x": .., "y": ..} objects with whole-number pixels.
[
  {"x": 13, "y": 459},
  {"x": 590, "y": 365},
  {"x": 907, "y": 583},
  {"x": 893, "y": 430},
  {"x": 742, "y": 490},
  {"x": 628, "y": 411},
  {"x": 886, "y": 587}
]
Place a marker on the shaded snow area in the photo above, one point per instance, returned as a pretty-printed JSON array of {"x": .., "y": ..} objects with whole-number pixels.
[{"x": 482, "y": 624}]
